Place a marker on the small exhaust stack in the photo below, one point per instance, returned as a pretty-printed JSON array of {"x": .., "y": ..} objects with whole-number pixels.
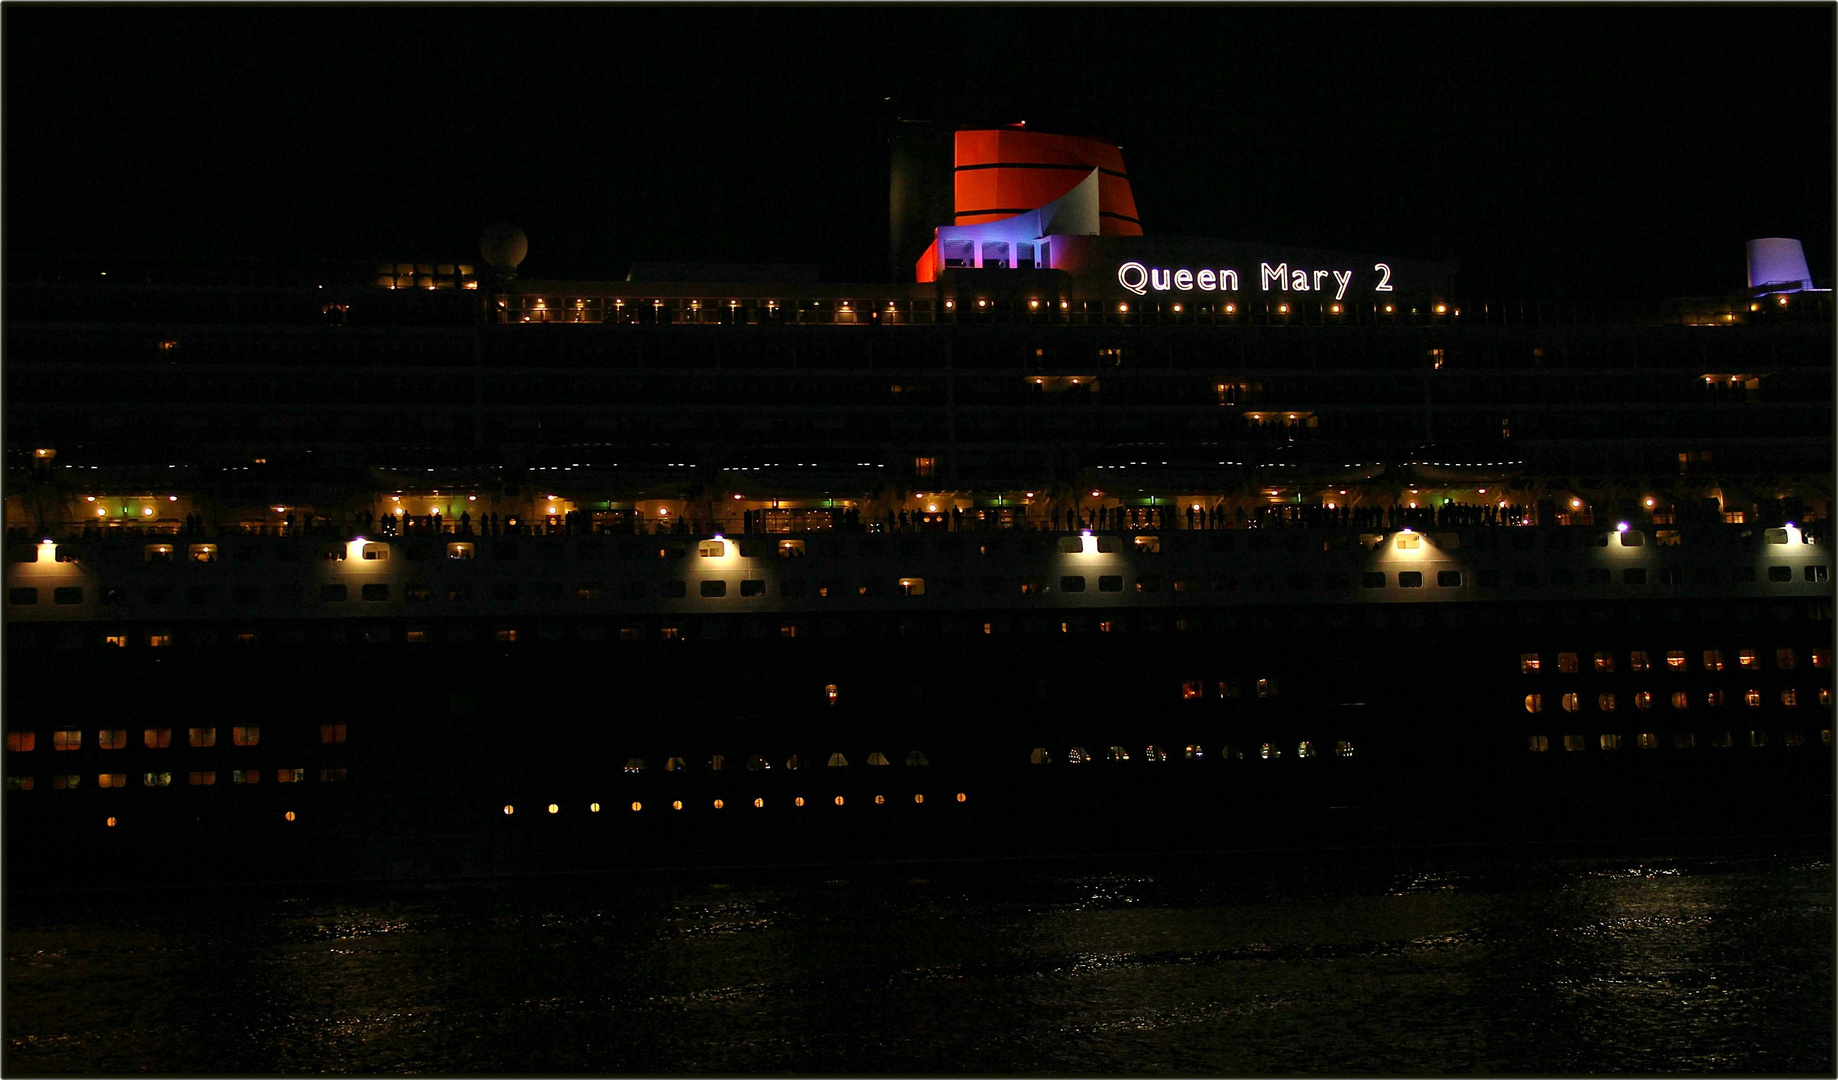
[{"x": 1777, "y": 264}]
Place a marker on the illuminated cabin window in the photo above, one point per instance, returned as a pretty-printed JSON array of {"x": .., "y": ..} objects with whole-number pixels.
[
  {"x": 1270, "y": 751},
  {"x": 202, "y": 553},
  {"x": 462, "y": 551},
  {"x": 1110, "y": 583},
  {"x": 1571, "y": 703},
  {"x": 112, "y": 738},
  {"x": 201, "y": 778},
  {"x": 912, "y": 586},
  {"x": 1776, "y": 536},
  {"x": 1643, "y": 700},
  {"x": 1537, "y": 743},
  {"x": 1610, "y": 742},
  {"x": 1637, "y": 661},
  {"x": 290, "y": 776},
  {"x": 156, "y": 738},
  {"x": 711, "y": 549},
  {"x": 19, "y": 783},
  {"x": 1825, "y": 696},
  {"x": 1529, "y": 663},
  {"x": 1566, "y": 663},
  {"x": 1647, "y": 741},
  {"x": 1147, "y": 545},
  {"x": 1410, "y": 579},
  {"x": 156, "y": 779},
  {"x": 838, "y": 760},
  {"x": 118, "y": 641},
  {"x": 1266, "y": 688},
  {"x": 1305, "y": 749},
  {"x": 1752, "y": 698},
  {"x": 675, "y": 764},
  {"x": 1681, "y": 699},
  {"x": 1040, "y": 756},
  {"x": 829, "y": 691},
  {"x": 157, "y": 553},
  {"x": 1758, "y": 739},
  {"x": 917, "y": 757},
  {"x": 1077, "y": 756},
  {"x": 757, "y": 763},
  {"x": 1675, "y": 660},
  {"x": 1713, "y": 659},
  {"x": 415, "y": 637},
  {"x": 1575, "y": 742},
  {"x": 1534, "y": 703},
  {"x": 1117, "y": 753},
  {"x": 1154, "y": 753},
  {"x": 68, "y": 739},
  {"x": 1683, "y": 740},
  {"x": 1033, "y": 586},
  {"x": 1713, "y": 698},
  {"x": 635, "y": 765},
  {"x": 506, "y": 635},
  {"x": 333, "y": 776},
  {"x": 66, "y": 782},
  {"x": 246, "y": 736},
  {"x": 1605, "y": 663},
  {"x": 21, "y": 741},
  {"x": 1790, "y": 698},
  {"x": 1794, "y": 738},
  {"x": 717, "y": 763},
  {"x": 1191, "y": 690},
  {"x": 671, "y": 633},
  {"x": 330, "y": 734},
  {"x": 112, "y": 780},
  {"x": 1821, "y": 659},
  {"x": 1785, "y": 659},
  {"x": 877, "y": 758},
  {"x": 375, "y": 552},
  {"x": 791, "y": 549},
  {"x": 1605, "y": 702},
  {"x": 245, "y": 776},
  {"x": 794, "y": 762},
  {"x": 333, "y": 553}
]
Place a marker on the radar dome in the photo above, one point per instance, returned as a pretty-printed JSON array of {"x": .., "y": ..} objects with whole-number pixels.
[{"x": 504, "y": 245}]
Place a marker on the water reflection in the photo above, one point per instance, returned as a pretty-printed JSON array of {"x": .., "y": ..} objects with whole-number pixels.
[{"x": 1520, "y": 964}]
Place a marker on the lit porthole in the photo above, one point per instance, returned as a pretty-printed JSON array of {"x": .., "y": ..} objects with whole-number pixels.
[
  {"x": 637, "y": 806},
  {"x": 839, "y": 800},
  {"x": 880, "y": 800},
  {"x": 1534, "y": 703},
  {"x": 961, "y": 797},
  {"x": 676, "y": 804},
  {"x": 799, "y": 801},
  {"x": 554, "y": 809},
  {"x": 289, "y": 815},
  {"x": 759, "y": 804},
  {"x": 718, "y": 804},
  {"x": 509, "y": 810},
  {"x": 918, "y": 798},
  {"x": 111, "y": 823},
  {"x": 593, "y": 808}
]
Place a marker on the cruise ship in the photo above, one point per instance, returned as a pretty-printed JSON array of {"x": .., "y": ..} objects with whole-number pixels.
[{"x": 1081, "y": 540}]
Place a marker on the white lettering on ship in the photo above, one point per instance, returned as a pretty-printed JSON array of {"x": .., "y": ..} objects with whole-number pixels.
[{"x": 1140, "y": 279}]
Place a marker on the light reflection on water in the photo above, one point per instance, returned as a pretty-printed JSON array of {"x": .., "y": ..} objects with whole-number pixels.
[{"x": 1427, "y": 963}]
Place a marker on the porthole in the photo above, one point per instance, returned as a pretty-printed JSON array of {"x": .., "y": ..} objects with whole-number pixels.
[
  {"x": 509, "y": 810},
  {"x": 593, "y": 808},
  {"x": 918, "y": 798},
  {"x": 111, "y": 823},
  {"x": 289, "y": 815},
  {"x": 554, "y": 809},
  {"x": 839, "y": 800},
  {"x": 759, "y": 804},
  {"x": 676, "y": 804},
  {"x": 880, "y": 800},
  {"x": 799, "y": 801},
  {"x": 961, "y": 796},
  {"x": 637, "y": 806}
]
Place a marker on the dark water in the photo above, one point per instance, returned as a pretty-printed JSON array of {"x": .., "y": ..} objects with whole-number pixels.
[{"x": 1543, "y": 963}]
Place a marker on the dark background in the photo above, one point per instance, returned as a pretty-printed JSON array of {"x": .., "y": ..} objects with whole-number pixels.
[{"x": 1553, "y": 152}]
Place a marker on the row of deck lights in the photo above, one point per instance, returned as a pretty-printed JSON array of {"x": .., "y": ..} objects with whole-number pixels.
[{"x": 719, "y": 804}]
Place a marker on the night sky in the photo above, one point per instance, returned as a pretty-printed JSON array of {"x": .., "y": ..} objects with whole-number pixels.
[{"x": 1553, "y": 152}]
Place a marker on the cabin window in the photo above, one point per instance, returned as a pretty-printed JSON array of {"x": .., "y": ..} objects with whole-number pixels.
[
  {"x": 1821, "y": 659},
  {"x": 1566, "y": 663},
  {"x": 375, "y": 592},
  {"x": 157, "y": 553},
  {"x": 202, "y": 736},
  {"x": 912, "y": 586},
  {"x": 672, "y": 590},
  {"x": 1040, "y": 756},
  {"x": 246, "y": 736},
  {"x": 1713, "y": 659},
  {"x": 331, "y": 734},
  {"x": 1147, "y": 545},
  {"x": 1072, "y": 583},
  {"x": 1266, "y": 688},
  {"x": 1634, "y": 575},
  {"x": 1571, "y": 702},
  {"x": 21, "y": 741},
  {"x": 1605, "y": 702},
  {"x": 1191, "y": 690},
  {"x": 1305, "y": 749},
  {"x": 1610, "y": 742},
  {"x": 22, "y": 596},
  {"x": 1605, "y": 663},
  {"x": 1643, "y": 700},
  {"x": 917, "y": 757},
  {"x": 69, "y": 594},
  {"x": 1758, "y": 739},
  {"x": 1409, "y": 541},
  {"x": 375, "y": 552},
  {"x": 1780, "y": 573},
  {"x": 1713, "y": 698},
  {"x": 837, "y": 760},
  {"x": 331, "y": 594},
  {"x": 1790, "y": 698},
  {"x": 67, "y": 739},
  {"x": 711, "y": 549},
  {"x": 752, "y": 587},
  {"x": 877, "y": 758},
  {"x": 1794, "y": 738},
  {"x": 1681, "y": 700},
  {"x": 202, "y": 553},
  {"x": 675, "y": 764},
  {"x": 1785, "y": 659},
  {"x": 1077, "y": 756},
  {"x": 1675, "y": 660},
  {"x": 156, "y": 779},
  {"x": 332, "y": 776},
  {"x": 1534, "y": 703},
  {"x": 1637, "y": 661},
  {"x": 1683, "y": 740},
  {"x": 1575, "y": 742},
  {"x": 714, "y": 588},
  {"x": 1410, "y": 579},
  {"x": 1528, "y": 663},
  {"x": 1647, "y": 741},
  {"x": 1270, "y": 751},
  {"x": 1110, "y": 583},
  {"x": 156, "y": 738},
  {"x": 1448, "y": 578},
  {"x": 66, "y": 782},
  {"x": 1373, "y": 579},
  {"x": 202, "y": 778}
]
